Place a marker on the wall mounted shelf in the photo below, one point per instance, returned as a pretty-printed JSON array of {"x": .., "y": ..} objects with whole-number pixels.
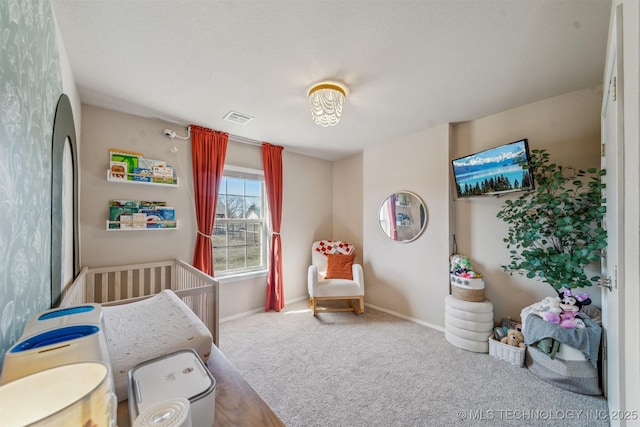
[
  {"x": 110, "y": 178},
  {"x": 177, "y": 223}
]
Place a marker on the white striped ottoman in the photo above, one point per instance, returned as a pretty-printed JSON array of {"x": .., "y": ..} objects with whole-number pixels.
[{"x": 467, "y": 324}]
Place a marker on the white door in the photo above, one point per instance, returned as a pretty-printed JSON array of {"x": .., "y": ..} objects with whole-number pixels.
[{"x": 612, "y": 160}]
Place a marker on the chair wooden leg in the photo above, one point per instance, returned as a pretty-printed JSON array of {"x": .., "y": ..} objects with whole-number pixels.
[
  {"x": 361, "y": 304},
  {"x": 312, "y": 305}
]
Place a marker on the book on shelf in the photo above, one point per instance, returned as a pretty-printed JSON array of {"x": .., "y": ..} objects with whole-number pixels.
[
  {"x": 116, "y": 213},
  {"x": 142, "y": 175},
  {"x": 126, "y": 221},
  {"x": 119, "y": 170},
  {"x": 154, "y": 220},
  {"x": 151, "y": 204},
  {"x": 139, "y": 220},
  {"x": 131, "y": 214},
  {"x": 131, "y": 159},
  {"x": 150, "y": 163}
]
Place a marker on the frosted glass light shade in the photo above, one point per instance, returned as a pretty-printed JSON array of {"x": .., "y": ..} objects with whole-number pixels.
[{"x": 326, "y": 100}]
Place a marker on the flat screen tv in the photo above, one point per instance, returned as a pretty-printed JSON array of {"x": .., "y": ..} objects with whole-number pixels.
[{"x": 494, "y": 171}]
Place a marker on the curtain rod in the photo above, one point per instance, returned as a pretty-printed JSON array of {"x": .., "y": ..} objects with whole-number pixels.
[
  {"x": 244, "y": 140},
  {"x": 237, "y": 138}
]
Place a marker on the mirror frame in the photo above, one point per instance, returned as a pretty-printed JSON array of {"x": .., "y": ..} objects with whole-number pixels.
[
  {"x": 423, "y": 208},
  {"x": 63, "y": 129}
]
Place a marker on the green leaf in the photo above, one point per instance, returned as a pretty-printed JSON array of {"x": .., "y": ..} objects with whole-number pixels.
[{"x": 557, "y": 229}]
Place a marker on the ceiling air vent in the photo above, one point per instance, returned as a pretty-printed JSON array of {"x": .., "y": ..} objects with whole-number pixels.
[{"x": 240, "y": 118}]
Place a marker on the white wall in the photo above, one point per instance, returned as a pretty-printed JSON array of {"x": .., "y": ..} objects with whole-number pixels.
[
  {"x": 104, "y": 129},
  {"x": 410, "y": 279},
  {"x": 307, "y": 204},
  {"x": 631, "y": 94},
  {"x": 568, "y": 126},
  {"x": 69, "y": 83},
  {"x": 348, "y": 201},
  {"x": 307, "y": 216}
]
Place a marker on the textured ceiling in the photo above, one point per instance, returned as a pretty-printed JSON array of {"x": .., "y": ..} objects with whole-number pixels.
[{"x": 409, "y": 65}]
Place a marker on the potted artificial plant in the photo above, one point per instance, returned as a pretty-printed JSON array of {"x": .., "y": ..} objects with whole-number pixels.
[{"x": 555, "y": 230}]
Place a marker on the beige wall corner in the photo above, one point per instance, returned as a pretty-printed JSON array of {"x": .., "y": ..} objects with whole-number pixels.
[
  {"x": 409, "y": 278},
  {"x": 347, "y": 202},
  {"x": 568, "y": 126}
]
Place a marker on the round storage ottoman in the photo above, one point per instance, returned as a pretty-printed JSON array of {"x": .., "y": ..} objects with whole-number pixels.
[{"x": 468, "y": 324}]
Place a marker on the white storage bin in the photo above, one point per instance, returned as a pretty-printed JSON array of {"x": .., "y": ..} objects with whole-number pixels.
[
  {"x": 177, "y": 375},
  {"x": 508, "y": 353},
  {"x": 55, "y": 347},
  {"x": 85, "y": 314}
]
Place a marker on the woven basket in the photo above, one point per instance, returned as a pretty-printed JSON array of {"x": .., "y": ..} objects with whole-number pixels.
[
  {"x": 467, "y": 289},
  {"x": 508, "y": 353},
  {"x": 472, "y": 295}
]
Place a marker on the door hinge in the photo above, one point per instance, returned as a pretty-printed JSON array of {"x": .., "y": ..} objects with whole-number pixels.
[
  {"x": 603, "y": 150},
  {"x": 613, "y": 89},
  {"x": 604, "y": 352},
  {"x": 605, "y": 283}
]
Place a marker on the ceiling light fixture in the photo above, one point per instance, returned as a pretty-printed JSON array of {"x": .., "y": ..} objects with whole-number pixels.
[{"x": 326, "y": 99}]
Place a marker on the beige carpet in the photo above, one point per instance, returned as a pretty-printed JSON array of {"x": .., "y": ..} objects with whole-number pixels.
[{"x": 340, "y": 369}]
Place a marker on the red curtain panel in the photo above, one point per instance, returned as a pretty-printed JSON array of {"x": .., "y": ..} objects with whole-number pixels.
[
  {"x": 208, "y": 151},
  {"x": 272, "y": 162}
]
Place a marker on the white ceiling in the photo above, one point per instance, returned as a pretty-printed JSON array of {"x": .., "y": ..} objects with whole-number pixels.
[{"x": 410, "y": 65}]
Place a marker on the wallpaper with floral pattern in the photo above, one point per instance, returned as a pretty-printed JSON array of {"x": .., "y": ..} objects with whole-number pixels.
[{"x": 30, "y": 85}]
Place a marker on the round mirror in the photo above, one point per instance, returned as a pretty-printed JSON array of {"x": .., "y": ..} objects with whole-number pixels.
[{"x": 403, "y": 216}]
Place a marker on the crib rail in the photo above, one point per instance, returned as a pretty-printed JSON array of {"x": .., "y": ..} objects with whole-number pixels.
[
  {"x": 130, "y": 283},
  {"x": 74, "y": 293}
]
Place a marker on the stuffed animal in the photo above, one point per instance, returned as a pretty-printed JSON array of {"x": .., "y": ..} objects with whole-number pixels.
[
  {"x": 551, "y": 310},
  {"x": 461, "y": 267},
  {"x": 564, "y": 308},
  {"x": 514, "y": 338},
  {"x": 570, "y": 306}
]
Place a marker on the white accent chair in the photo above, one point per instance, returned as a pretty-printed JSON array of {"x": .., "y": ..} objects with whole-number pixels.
[{"x": 321, "y": 289}]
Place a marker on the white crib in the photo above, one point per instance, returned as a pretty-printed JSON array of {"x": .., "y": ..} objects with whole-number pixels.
[
  {"x": 137, "y": 305},
  {"x": 130, "y": 283}
]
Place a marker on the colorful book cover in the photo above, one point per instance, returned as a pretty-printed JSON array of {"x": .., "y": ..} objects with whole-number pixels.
[
  {"x": 116, "y": 213},
  {"x": 118, "y": 170},
  {"x": 167, "y": 213},
  {"x": 164, "y": 175},
  {"x": 139, "y": 220},
  {"x": 123, "y": 203},
  {"x": 142, "y": 175},
  {"x": 151, "y": 204},
  {"x": 128, "y": 157},
  {"x": 150, "y": 163},
  {"x": 154, "y": 220},
  {"x": 126, "y": 221}
]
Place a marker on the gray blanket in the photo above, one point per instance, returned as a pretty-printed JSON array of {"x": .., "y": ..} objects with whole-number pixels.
[{"x": 587, "y": 340}]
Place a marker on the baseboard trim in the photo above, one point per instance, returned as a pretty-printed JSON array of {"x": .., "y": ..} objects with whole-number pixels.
[
  {"x": 375, "y": 307},
  {"x": 405, "y": 317},
  {"x": 256, "y": 310}
]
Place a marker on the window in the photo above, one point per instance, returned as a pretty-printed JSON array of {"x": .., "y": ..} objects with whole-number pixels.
[{"x": 239, "y": 231}]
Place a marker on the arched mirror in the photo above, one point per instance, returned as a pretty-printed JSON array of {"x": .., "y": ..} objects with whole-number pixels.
[
  {"x": 65, "y": 259},
  {"x": 403, "y": 216}
]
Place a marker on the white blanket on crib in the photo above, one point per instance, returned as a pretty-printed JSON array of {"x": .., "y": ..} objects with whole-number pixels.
[{"x": 154, "y": 327}]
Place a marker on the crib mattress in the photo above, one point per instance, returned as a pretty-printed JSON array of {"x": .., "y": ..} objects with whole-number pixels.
[{"x": 154, "y": 327}]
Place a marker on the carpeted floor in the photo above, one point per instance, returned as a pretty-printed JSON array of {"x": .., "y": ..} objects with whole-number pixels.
[{"x": 340, "y": 369}]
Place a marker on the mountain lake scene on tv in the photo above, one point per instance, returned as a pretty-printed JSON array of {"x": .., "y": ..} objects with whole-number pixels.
[{"x": 498, "y": 170}]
